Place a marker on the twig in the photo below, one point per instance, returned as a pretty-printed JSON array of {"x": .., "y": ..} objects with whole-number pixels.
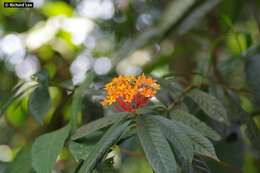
[{"x": 240, "y": 90}]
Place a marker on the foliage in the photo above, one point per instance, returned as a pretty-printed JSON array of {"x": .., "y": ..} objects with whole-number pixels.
[{"x": 58, "y": 58}]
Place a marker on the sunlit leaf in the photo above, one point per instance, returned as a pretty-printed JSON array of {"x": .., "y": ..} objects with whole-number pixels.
[
  {"x": 57, "y": 8},
  {"x": 237, "y": 42},
  {"x": 17, "y": 112},
  {"x": 6, "y": 153},
  {"x": 18, "y": 92}
]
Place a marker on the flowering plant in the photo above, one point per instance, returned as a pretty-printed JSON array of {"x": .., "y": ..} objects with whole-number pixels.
[
  {"x": 128, "y": 93},
  {"x": 67, "y": 106},
  {"x": 156, "y": 133}
]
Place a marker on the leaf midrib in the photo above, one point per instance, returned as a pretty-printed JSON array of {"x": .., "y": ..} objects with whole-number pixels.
[{"x": 156, "y": 149}]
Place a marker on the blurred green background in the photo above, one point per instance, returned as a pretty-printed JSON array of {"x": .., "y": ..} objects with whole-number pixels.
[{"x": 193, "y": 40}]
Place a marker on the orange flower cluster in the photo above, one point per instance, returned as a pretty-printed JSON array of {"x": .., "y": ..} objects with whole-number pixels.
[{"x": 128, "y": 93}]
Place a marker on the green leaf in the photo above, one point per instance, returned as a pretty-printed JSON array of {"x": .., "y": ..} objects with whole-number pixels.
[
  {"x": 109, "y": 139},
  {"x": 6, "y": 153},
  {"x": 57, "y": 8},
  {"x": 196, "y": 15},
  {"x": 46, "y": 149},
  {"x": 253, "y": 134},
  {"x": 18, "y": 92},
  {"x": 93, "y": 126},
  {"x": 200, "y": 166},
  {"x": 42, "y": 76},
  {"x": 39, "y": 102},
  {"x": 179, "y": 140},
  {"x": 129, "y": 132},
  {"x": 77, "y": 99},
  {"x": 7, "y": 103},
  {"x": 80, "y": 151},
  {"x": 175, "y": 10},
  {"x": 171, "y": 86},
  {"x": 252, "y": 68},
  {"x": 192, "y": 121},
  {"x": 201, "y": 145},
  {"x": 210, "y": 105},
  {"x": 156, "y": 146},
  {"x": 22, "y": 162}
]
